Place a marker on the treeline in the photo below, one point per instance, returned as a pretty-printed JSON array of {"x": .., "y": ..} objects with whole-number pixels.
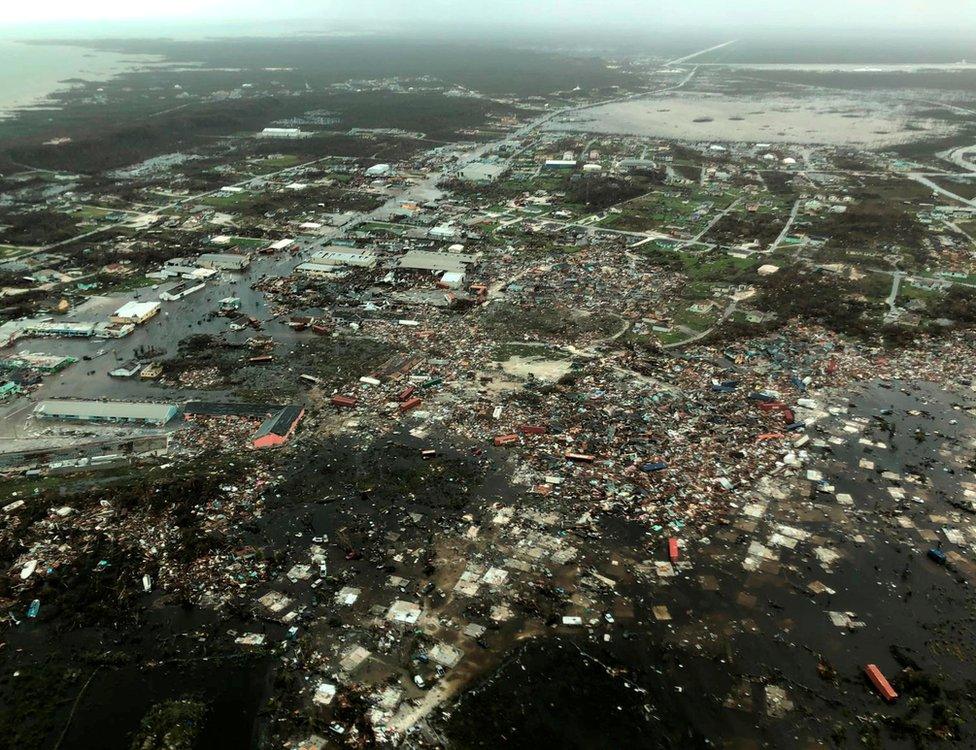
[
  {"x": 33, "y": 228},
  {"x": 110, "y": 145}
]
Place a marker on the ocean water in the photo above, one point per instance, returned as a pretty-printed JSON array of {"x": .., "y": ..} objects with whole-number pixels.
[{"x": 29, "y": 73}]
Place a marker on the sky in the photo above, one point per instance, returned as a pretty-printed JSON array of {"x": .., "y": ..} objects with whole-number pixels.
[{"x": 898, "y": 14}]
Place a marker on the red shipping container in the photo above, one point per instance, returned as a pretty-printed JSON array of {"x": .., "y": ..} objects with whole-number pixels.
[
  {"x": 582, "y": 457},
  {"x": 673, "y": 549},
  {"x": 412, "y": 403},
  {"x": 506, "y": 440},
  {"x": 880, "y": 683},
  {"x": 344, "y": 401},
  {"x": 533, "y": 429},
  {"x": 405, "y": 393}
]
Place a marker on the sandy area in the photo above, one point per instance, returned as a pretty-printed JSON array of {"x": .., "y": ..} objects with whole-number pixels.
[{"x": 693, "y": 116}]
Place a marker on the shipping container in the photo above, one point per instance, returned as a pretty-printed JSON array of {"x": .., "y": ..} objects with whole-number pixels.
[
  {"x": 409, "y": 404},
  {"x": 880, "y": 683},
  {"x": 580, "y": 457}
]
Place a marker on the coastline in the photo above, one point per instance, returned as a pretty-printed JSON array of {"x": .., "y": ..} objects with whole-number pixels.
[{"x": 36, "y": 74}]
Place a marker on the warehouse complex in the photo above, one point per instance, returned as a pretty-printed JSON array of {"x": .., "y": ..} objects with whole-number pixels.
[{"x": 147, "y": 413}]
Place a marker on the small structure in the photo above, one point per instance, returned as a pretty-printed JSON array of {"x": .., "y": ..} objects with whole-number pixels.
[
  {"x": 453, "y": 279},
  {"x": 379, "y": 170},
  {"x": 127, "y": 370},
  {"x": 9, "y": 388}
]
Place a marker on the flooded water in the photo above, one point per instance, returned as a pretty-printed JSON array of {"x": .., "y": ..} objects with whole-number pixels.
[
  {"x": 750, "y": 657},
  {"x": 31, "y": 73}
]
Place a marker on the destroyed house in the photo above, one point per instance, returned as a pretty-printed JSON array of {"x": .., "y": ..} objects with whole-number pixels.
[{"x": 278, "y": 428}]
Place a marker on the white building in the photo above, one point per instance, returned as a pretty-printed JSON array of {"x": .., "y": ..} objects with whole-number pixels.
[
  {"x": 282, "y": 133},
  {"x": 181, "y": 290},
  {"x": 135, "y": 312},
  {"x": 331, "y": 260},
  {"x": 224, "y": 261},
  {"x": 443, "y": 232}
]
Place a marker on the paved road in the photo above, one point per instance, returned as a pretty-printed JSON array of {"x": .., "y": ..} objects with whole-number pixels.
[
  {"x": 711, "y": 225},
  {"x": 693, "y": 55},
  {"x": 892, "y": 299},
  {"x": 726, "y": 314},
  {"x": 921, "y": 178},
  {"x": 786, "y": 230}
]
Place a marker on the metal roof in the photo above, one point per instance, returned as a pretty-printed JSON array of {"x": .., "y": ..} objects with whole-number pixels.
[
  {"x": 280, "y": 423},
  {"x": 429, "y": 261},
  {"x": 68, "y": 409}
]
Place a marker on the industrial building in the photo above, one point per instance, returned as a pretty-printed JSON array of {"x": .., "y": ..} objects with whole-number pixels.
[
  {"x": 318, "y": 270},
  {"x": 65, "y": 329},
  {"x": 61, "y": 329},
  {"x": 425, "y": 260},
  {"x": 482, "y": 171},
  {"x": 337, "y": 255},
  {"x": 106, "y": 411},
  {"x": 637, "y": 165},
  {"x": 282, "y": 133},
  {"x": 560, "y": 164},
  {"x": 46, "y": 363},
  {"x": 182, "y": 268},
  {"x": 332, "y": 259},
  {"x": 443, "y": 232},
  {"x": 181, "y": 290},
  {"x": 135, "y": 312},
  {"x": 224, "y": 261}
]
